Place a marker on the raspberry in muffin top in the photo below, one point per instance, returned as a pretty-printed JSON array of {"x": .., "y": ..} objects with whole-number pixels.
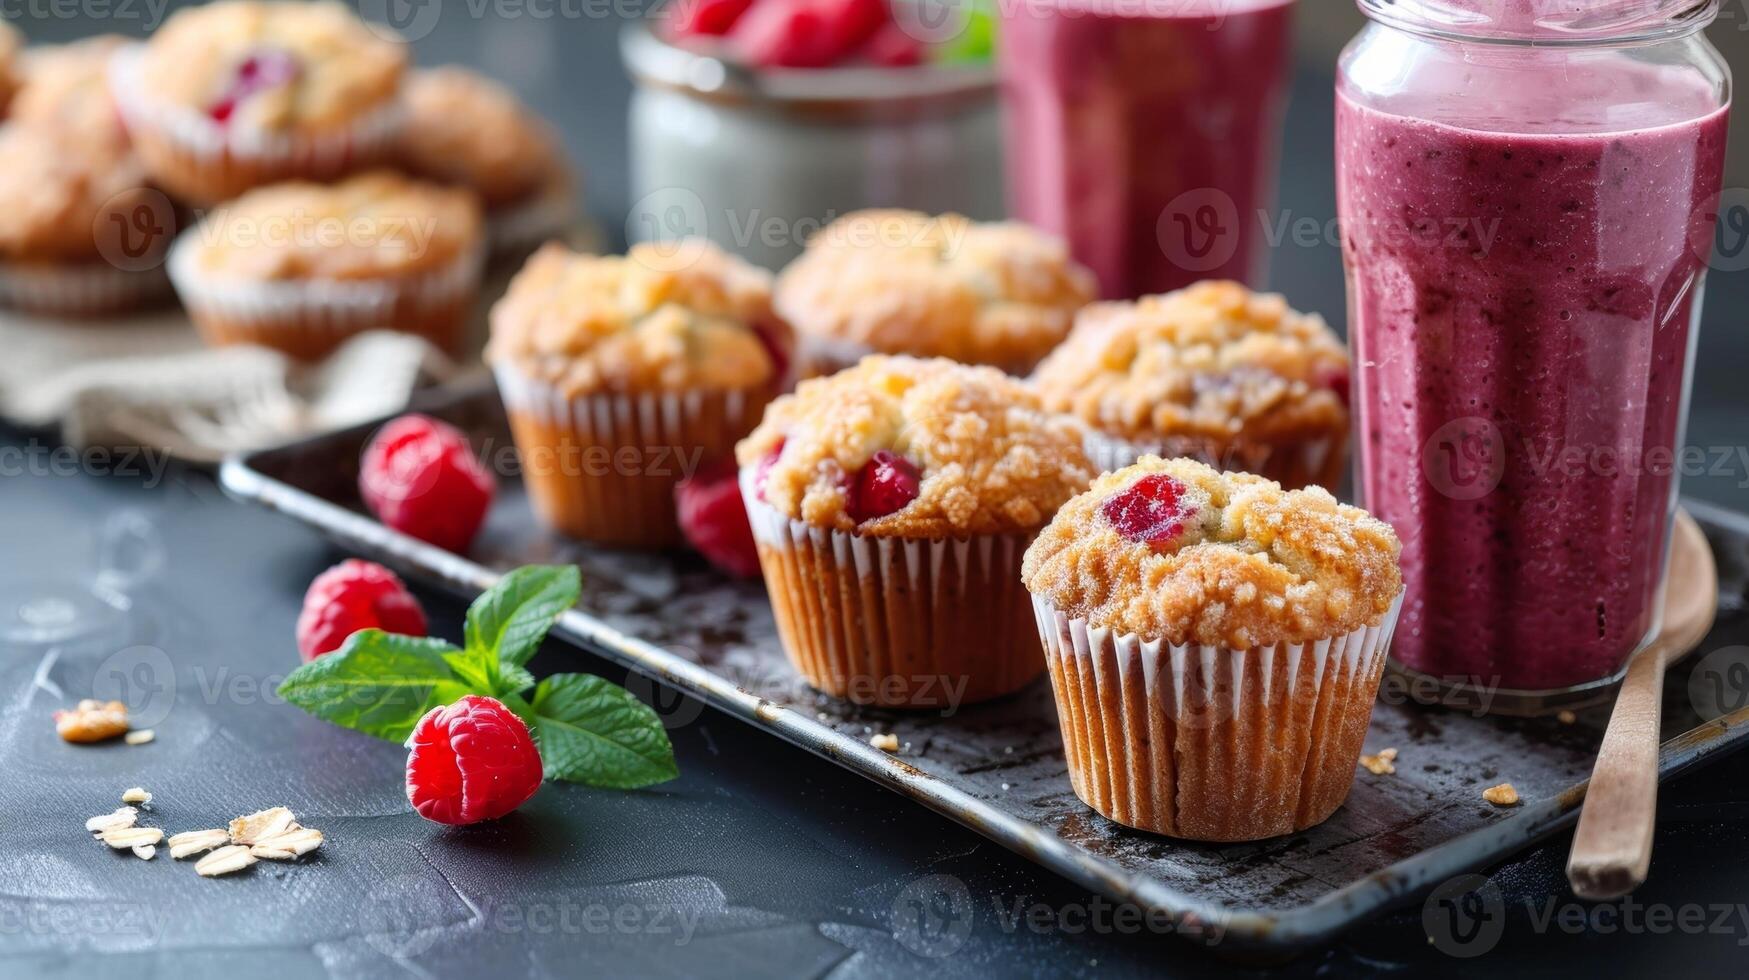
[
  {"x": 273, "y": 67},
  {"x": 371, "y": 226},
  {"x": 910, "y": 448},
  {"x": 645, "y": 321},
  {"x": 66, "y": 85},
  {"x": 901, "y": 282},
  {"x": 1174, "y": 550},
  {"x": 55, "y": 187},
  {"x": 1212, "y": 361},
  {"x": 464, "y": 128}
]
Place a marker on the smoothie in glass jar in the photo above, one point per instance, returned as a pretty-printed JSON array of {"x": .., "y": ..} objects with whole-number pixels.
[
  {"x": 1526, "y": 231},
  {"x": 1147, "y": 133}
]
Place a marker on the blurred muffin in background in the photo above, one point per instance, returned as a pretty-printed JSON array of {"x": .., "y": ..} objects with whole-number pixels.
[
  {"x": 623, "y": 375},
  {"x": 11, "y": 43},
  {"x": 1237, "y": 379},
  {"x": 303, "y": 267},
  {"x": 67, "y": 85},
  {"x": 901, "y": 282},
  {"x": 238, "y": 94},
  {"x": 81, "y": 232},
  {"x": 466, "y": 129}
]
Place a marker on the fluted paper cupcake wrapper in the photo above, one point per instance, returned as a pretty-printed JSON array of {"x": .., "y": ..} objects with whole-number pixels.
[
  {"x": 91, "y": 290},
  {"x": 602, "y": 466},
  {"x": 895, "y": 622},
  {"x": 1211, "y": 743},
  {"x": 309, "y": 318},
  {"x": 204, "y": 162},
  {"x": 1294, "y": 465}
]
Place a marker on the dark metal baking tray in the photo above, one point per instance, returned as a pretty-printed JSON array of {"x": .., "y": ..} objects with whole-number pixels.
[{"x": 998, "y": 768}]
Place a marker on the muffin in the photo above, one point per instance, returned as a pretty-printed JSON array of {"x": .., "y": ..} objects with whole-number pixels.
[
  {"x": 304, "y": 267},
  {"x": 238, "y": 94},
  {"x": 1215, "y": 644},
  {"x": 466, "y": 129},
  {"x": 624, "y": 375},
  {"x": 11, "y": 44},
  {"x": 891, "y": 504},
  {"x": 900, "y": 282},
  {"x": 66, "y": 85},
  {"x": 1214, "y": 372},
  {"x": 81, "y": 232}
]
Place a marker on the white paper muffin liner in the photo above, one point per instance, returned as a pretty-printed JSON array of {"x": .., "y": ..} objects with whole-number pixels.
[
  {"x": 602, "y": 466},
  {"x": 1211, "y": 743},
  {"x": 206, "y": 162},
  {"x": 88, "y": 290},
  {"x": 1293, "y": 465},
  {"x": 934, "y": 623}
]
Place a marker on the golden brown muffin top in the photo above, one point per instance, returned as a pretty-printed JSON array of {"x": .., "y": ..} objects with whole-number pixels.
[
  {"x": 641, "y": 322},
  {"x": 901, "y": 282},
  {"x": 464, "y": 128},
  {"x": 365, "y": 227},
  {"x": 987, "y": 458},
  {"x": 1214, "y": 361},
  {"x": 273, "y": 67},
  {"x": 1174, "y": 550},
  {"x": 66, "y": 85},
  {"x": 11, "y": 43},
  {"x": 55, "y": 185}
]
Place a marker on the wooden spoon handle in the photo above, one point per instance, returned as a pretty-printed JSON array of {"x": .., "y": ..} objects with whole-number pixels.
[{"x": 1613, "y": 844}]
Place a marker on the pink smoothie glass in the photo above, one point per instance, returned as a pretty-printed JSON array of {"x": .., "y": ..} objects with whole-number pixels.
[
  {"x": 1527, "y": 192},
  {"x": 1147, "y": 133}
]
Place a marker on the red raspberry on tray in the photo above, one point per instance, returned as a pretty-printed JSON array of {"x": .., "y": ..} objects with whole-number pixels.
[
  {"x": 355, "y": 595},
  {"x": 470, "y": 761},
  {"x": 806, "y": 33},
  {"x": 420, "y": 477},
  {"x": 714, "y": 518},
  {"x": 690, "y": 18}
]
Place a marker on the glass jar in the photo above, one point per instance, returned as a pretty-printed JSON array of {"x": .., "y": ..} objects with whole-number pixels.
[
  {"x": 1527, "y": 192},
  {"x": 757, "y": 161}
]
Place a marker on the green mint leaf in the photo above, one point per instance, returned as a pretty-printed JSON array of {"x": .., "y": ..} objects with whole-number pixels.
[
  {"x": 511, "y": 618},
  {"x": 595, "y": 732},
  {"x": 377, "y": 683},
  {"x": 512, "y": 680},
  {"x": 477, "y": 669}
]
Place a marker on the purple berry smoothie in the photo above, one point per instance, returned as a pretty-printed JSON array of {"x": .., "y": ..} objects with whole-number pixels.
[
  {"x": 1522, "y": 296},
  {"x": 1146, "y": 133}
]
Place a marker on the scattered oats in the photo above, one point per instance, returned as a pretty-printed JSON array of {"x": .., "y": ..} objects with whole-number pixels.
[
  {"x": 1501, "y": 795},
  {"x": 232, "y": 857},
  {"x": 139, "y": 737},
  {"x": 121, "y": 837},
  {"x": 122, "y": 817},
  {"x": 291, "y": 844},
  {"x": 885, "y": 742},
  {"x": 1383, "y": 764},
  {"x": 262, "y": 823},
  {"x": 1389, "y": 755},
  {"x": 92, "y": 721},
  {"x": 821, "y": 716},
  {"x": 145, "y": 852},
  {"x": 136, "y": 795},
  {"x": 1009, "y": 750},
  {"x": 1004, "y": 787},
  {"x": 1566, "y": 717},
  {"x": 195, "y": 841}
]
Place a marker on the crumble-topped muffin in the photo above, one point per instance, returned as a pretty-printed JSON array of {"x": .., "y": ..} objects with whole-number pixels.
[
  {"x": 464, "y": 128},
  {"x": 364, "y": 227},
  {"x": 54, "y": 186},
  {"x": 11, "y": 43},
  {"x": 1213, "y": 361},
  {"x": 1177, "y": 551},
  {"x": 272, "y": 66},
  {"x": 65, "y": 85},
  {"x": 910, "y": 448},
  {"x": 901, "y": 282},
  {"x": 587, "y": 323}
]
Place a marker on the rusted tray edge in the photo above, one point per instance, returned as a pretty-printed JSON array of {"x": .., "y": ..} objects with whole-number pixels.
[{"x": 1289, "y": 929}]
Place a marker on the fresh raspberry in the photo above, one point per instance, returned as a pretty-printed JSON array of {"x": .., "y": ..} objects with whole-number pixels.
[
  {"x": 355, "y": 595},
  {"x": 1336, "y": 379},
  {"x": 1152, "y": 510},
  {"x": 470, "y": 761},
  {"x": 764, "y": 470},
  {"x": 694, "y": 18},
  {"x": 777, "y": 343},
  {"x": 420, "y": 477},
  {"x": 258, "y": 72},
  {"x": 891, "y": 47},
  {"x": 714, "y": 518},
  {"x": 886, "y": 483},
  {"x": 806, "y": 33}
]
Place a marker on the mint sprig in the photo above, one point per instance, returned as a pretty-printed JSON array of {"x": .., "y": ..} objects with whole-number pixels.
[{"x": 588, "y": 730}]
